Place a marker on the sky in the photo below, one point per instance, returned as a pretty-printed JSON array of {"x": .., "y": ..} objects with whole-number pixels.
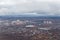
[{"x": 30, "y": 7}]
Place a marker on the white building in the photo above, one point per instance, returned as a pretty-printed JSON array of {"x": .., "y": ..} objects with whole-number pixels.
[
  {"x": 30, "y": 25},
  {"x": 47, "y": 28},
  {"x": 17, "y": 22},
  {"x": 47, "y": 22}
]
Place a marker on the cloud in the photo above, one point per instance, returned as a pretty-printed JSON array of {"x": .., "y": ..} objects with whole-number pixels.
[{"x": 41, "y": 7}]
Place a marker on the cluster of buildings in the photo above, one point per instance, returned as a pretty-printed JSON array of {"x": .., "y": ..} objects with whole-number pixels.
[
  {"x": 33, "y": 29},
  {"x": 9, "y": 23},
  {"x": 25, "y": 23}
]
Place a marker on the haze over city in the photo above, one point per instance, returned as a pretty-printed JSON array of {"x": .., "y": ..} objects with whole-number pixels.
[{"x": 29, "y": 19}]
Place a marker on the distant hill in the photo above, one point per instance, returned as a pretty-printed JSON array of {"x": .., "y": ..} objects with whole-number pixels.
[{"x": 28, "y": 16}]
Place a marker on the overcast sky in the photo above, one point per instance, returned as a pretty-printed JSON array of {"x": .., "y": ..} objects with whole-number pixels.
[{"x": 35, "y": 7}]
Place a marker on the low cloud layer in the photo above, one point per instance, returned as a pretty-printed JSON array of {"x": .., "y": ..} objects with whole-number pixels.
[{"x": 37, "y": 7}]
